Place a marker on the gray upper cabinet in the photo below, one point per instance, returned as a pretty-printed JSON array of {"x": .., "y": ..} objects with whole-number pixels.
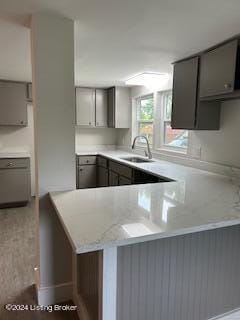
[
  {"x": 85, "y": 107},
  {"x": 111, "y": 107},
  {"x": 187, "y": 111},
  {"x": 119, "y": 107},
  {"x": 217, "y": 71},
  {"x": 101, "y": 108},
  {"x": 29, "y": 92},
  {"x": 185, "y": 83},
  {"x": 13, "y": 104}
]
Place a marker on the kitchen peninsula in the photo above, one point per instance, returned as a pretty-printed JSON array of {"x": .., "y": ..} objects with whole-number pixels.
[{"x": 139, "y": 250}]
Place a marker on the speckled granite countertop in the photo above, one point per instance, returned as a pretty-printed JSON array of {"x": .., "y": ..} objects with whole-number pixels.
[{"x": 198, "y": 200}]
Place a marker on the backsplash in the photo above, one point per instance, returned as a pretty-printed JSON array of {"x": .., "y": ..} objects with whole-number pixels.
[{"x": 95, "y": 136}]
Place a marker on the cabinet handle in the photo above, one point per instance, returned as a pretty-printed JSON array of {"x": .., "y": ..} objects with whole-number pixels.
[
  {"x": 81, "y": 170},
  {"x": 9, "y": 164},
  {"x": 227, "y": 86},
  {"x": 90, "y": 123}
]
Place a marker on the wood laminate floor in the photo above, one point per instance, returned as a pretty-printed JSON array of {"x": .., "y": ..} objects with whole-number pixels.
[{"x": 17, "y": 261}]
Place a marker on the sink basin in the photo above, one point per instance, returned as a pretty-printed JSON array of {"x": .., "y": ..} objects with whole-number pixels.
[{"x": 136, "y": 159}]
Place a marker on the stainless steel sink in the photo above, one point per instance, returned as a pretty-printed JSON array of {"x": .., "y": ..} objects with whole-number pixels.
[{"x": 136, "y": 159}]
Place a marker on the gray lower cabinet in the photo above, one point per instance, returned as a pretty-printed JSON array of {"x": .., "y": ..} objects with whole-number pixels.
[
  {"x": 218, "y": 70},
  {"x": 113, "y": 178},
  {"x": 13, "y": 104},
  {"x": 124, "y": 181},
  {"x": 15, "y": 186},
  {"x": 121, "y": 169},
  {"x": 87, "y": 176},
  {"x": 98, "y": 171},
  {"x": 102, "y": 177}
]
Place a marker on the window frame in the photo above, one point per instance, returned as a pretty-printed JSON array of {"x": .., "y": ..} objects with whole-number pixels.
[
  {"x": 138, "y": 122},
  {"x": 159, "y": 121}
]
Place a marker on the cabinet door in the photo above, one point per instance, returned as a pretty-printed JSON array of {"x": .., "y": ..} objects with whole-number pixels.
[
  {"x": 217, "y": 72},
  {"x": 29, "y": 92},
  {"x": 101, "y": 108},
  {"x": 124, "y": 181},
  {"x": 185, "y": 81},
  {"x": 122, "y": 107},
  {"x": 113, "y": 178},
  {"x": 87, "y": 177},
  {"x": 121, "y": 169},
  {"x": 111, "y": 107},
  {"x": 85, "y": 107},
  {"x": 15, "y": 185},
  {"x": 102, "y": 177},
  {"x": 13, "y": 104}
]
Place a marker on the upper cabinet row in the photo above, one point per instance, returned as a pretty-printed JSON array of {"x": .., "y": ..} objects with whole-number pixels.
[
  {"x": 201, "y": 82},
  {"x": 103, "y": 107}
]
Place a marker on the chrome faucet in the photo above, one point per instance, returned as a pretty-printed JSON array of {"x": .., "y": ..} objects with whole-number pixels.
[{"x": 148, "y": 153}]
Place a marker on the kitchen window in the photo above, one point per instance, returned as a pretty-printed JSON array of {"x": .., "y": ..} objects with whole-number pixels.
[
  {"x": 145, "y": 111},
  {"x": 172, "y": 137},
  {"x": 153, "y": 120}
]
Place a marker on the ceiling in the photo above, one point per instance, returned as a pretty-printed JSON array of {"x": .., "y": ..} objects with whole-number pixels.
[{"x": 117, "y": 39}]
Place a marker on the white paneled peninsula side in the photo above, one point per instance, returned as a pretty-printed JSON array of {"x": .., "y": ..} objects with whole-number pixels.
[{"x": 155, "y": 251}]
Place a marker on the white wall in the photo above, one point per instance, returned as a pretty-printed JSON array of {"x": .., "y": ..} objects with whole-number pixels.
[
  {"x": 221, "y": 146},
  {"x": 54, "y": 106},
  {"x": 20, "y": 139},
  {"x": 95, "y": 136}
]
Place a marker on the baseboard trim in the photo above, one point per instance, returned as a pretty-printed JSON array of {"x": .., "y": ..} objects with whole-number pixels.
[
  {"x": 225, "y": 314},
  {"x": 54, "y": 294}
]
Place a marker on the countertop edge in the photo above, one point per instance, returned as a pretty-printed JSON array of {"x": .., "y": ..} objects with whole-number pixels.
[
  {"x": 62, "y": 223},
  {"x": 170, "y": 234}
]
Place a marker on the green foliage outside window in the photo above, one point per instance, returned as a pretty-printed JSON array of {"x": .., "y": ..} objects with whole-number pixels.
[{"x": 145, "y": 109}]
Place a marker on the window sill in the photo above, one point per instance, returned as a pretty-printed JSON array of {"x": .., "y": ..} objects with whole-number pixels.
[
  {"x": 165, "y": 151},
  {"x": 172, "y": 151}
]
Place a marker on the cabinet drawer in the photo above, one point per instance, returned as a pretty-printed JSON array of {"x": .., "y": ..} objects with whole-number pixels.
[
  {"x": 14, "y": 163},
  {"x": 120, "y": 169},
  {"x": 82, "y": 160},
  {"x": 102, "y": 162}
]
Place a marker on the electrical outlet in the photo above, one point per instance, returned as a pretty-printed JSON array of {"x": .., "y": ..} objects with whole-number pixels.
[{"x": 196, "y": 152}]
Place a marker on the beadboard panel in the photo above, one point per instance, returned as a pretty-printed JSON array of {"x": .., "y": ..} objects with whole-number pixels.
[{"x": 190, "y": 277}]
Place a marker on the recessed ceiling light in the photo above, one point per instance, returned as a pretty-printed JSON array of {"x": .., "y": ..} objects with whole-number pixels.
[{"x": 148, "y": 79}]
